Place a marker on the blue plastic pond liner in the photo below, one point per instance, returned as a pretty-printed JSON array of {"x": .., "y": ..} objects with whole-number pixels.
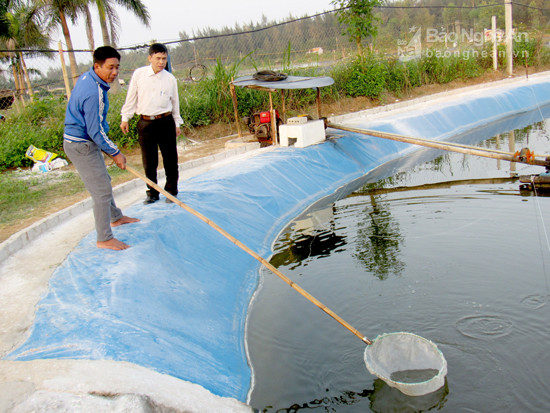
[
  {"x": 176, "y": 301},
  {"x": 459, "y": 113}
]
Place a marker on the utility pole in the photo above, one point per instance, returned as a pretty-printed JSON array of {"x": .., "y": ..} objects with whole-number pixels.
[
  {"x": 494, "y": 39},
  {"x": 509, "y": 37}
]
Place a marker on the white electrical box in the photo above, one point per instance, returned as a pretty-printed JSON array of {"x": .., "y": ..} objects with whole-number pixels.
[
  {"x": 302, "y": 135},
  {"x": 297, "y": 120}
]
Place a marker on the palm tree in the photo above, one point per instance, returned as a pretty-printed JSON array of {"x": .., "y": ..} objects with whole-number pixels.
[
  {"x": 4, "y": 24},
  {"x": 58, "y": 11},
  {"x": 89, "y": 27},
  {"x": 25, "y": 31},
  {"x": 107, "y": 13}
]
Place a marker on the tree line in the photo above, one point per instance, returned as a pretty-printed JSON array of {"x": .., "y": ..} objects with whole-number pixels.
[{"x": 25, "y": 25}]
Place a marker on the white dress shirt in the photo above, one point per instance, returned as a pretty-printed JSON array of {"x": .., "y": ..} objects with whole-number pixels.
[{"x": 152, "y": 94}]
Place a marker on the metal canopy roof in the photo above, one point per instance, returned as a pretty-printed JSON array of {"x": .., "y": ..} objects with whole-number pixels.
[{"x": 291, "y": 82}]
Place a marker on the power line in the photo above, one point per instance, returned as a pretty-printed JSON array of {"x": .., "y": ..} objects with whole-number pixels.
[
  {"x": 260, "y": 29},
  {"x": 531, "y": 7}
]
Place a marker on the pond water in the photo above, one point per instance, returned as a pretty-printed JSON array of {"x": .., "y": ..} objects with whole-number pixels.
[{"x": 449, "y": 249}]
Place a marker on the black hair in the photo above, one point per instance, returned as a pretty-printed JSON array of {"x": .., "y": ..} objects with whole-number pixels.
[
  {"x": 105, "y": 52},
  {"x": 157, "y": 48}
]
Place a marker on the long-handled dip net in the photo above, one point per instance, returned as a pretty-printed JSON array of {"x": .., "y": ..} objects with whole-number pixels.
[
  {"x": 405, "y": 361},
  {"x": 408, "y": 362}
]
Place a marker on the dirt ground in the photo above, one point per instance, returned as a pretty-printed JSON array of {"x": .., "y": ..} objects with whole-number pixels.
[{"x": 211, "y": 139}]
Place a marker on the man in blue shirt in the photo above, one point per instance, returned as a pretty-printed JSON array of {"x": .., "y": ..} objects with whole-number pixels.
[{"x": 85, "y": 138}]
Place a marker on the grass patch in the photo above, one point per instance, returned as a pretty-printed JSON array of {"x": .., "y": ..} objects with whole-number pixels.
[{"x": 24, "y": 192}]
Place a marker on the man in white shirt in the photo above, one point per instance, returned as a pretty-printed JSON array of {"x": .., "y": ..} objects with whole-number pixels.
[{"x": 153, "y": 95}]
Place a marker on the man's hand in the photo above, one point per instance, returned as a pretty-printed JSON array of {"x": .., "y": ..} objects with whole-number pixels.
[
  {"x": 178, "y": 131},
  {"x": 120, "y": 160},
  {"x": 125, "y": 127}
]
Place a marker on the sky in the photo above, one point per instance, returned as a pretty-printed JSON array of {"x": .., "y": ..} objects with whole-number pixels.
[{"x": 170, "y": 17}]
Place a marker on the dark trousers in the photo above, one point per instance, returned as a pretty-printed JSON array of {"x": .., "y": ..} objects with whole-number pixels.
[{"x": 154, "y": 135}]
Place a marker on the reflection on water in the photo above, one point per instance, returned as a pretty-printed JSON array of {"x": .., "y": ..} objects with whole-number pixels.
[
  {"x": 385, "y": 399},
  {"x": 448, "y": 249},
  {"x": 378, "y": 239},
  {"x": 382, "y": 399},
  {"x": 311, "y": 241}
]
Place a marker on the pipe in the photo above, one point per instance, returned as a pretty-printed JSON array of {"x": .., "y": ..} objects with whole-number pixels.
[{"x": 528, "y": 157}]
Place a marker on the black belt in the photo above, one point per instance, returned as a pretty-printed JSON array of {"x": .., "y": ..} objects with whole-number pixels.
[{"x": 162, "y": 115}]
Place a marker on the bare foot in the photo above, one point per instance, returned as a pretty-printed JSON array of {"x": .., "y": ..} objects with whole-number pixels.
[
  {"x": 124, "y": 220},
  {"x": 112, "y": 244}
]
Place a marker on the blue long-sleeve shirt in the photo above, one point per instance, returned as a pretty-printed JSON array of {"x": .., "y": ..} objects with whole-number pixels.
[{"x": 86, "y": 114}]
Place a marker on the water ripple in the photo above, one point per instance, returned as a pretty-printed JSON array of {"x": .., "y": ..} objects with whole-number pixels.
[
  {"x": 535, "y": 301},
  {"x": 482, "y": 326}
]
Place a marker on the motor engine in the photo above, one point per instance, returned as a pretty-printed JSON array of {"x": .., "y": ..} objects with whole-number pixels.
[{"x": 259, "y": 124}]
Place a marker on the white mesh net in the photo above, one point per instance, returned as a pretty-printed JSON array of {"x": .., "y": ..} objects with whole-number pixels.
[{"x": 408, "y": 362}]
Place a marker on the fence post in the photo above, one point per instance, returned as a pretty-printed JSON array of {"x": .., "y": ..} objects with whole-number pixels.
[
  {"x": 64, "y": 70},
  {"x": 235, "y": 107}
]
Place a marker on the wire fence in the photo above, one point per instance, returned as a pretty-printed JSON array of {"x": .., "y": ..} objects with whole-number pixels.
[
  {"x": 311, "y": 40},
  {"x": 28, "y": 76},
  {"x": 308, "y": 41}
]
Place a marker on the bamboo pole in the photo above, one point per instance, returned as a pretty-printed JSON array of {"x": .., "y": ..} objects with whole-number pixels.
[
  {"x": 450, "y": 146},
  {"x": 273, "y": 121},
  {"x": 22, "y": 85},
  {"x": 318, "y": 103},
  {"x": 235, "y": 107},
  {"x": 26, "y": 76},
  {"x": 18, "y": 86},
  {"x": 246, "y": 249},
  {"x": 512, "y": 146},
  {"x": 284, "y": 104},
  {"x": 497, "y": 139},
  {"x": 64, "y": 71}
]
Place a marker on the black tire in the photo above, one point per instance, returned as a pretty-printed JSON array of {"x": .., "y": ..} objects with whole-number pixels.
[{"x": 197, "y": 72}]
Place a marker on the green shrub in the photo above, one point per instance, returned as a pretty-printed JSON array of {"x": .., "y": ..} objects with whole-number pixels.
[
  {"x": 250, "y": 100},
  {"x": 40, "y": 124},
  {"x": 367, "y": 77},
  {"x": 437, "y": 68},
  {"x": 116, "y": 101},
  {"x": 531, "y": 52},
  {"x": 402, "y": 76},
  {"x": 468, "y": 67},
  {"x": 196, "y": 106},
  {"x": 485, "y": 58},
  {"x": 414, "y": 74},
  {"x": 396, "y": 76},
  {"x": 525, "y": 52}
]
